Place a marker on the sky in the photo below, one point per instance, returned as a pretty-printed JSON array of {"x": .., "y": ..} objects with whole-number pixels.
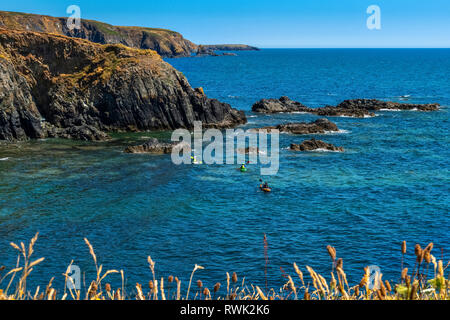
[{"x": 271, "y": 24}]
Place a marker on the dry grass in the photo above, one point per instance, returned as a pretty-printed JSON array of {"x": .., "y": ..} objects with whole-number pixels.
[{"x": 413, "y": 285}]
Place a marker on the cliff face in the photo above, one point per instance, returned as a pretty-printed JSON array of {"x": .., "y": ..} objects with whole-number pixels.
[
  {"x": 166, "y": 42},
  {"x": 56, "y": 86}
]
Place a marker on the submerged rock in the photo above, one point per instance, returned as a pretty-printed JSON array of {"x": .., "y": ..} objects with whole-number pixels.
[
  {"x": 248, "y": 150},
  {"x": 358, "y": 108},
  {"x": 318, "y": 126},
  {"x": 155, "y": 147},
  {"x": 313, "y": 144}
]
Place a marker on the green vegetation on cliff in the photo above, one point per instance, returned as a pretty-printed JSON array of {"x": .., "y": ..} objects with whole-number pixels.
[{"x": 57, "y": 86}]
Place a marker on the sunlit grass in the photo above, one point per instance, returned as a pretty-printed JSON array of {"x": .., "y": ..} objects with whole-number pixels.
[{"x": 414, "y": 284}]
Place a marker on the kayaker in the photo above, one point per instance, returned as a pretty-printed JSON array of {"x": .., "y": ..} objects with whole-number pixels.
[{"x": 266, "y": 185}]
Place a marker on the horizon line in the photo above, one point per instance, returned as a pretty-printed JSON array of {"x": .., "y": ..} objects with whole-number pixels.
[{"x": 307, "y": 48}]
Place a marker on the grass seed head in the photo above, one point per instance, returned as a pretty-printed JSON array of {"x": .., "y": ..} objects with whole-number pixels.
[
  {"x": 234, "y": 278},
  {"x": 404, "y": 247}
]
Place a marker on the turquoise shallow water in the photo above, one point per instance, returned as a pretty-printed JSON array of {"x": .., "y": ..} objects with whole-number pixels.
[{"x": 390, "y": 185}]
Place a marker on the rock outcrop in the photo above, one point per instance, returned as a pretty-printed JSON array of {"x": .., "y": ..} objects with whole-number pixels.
[
  {"x": 313, "y": 144},
  {"x": 229, "y": 47},
  {"x": 56, "y": 86},
  {"x": 153, "y": 146},
  {"x": 211, "y": 50},
  {"x": 377, "y": 105},
  {"x": 282, "y": 105},
  {"x": 166, "y": 42},
  {"x": 358, "y": 108},
  {"x": 319, "y": 126}
]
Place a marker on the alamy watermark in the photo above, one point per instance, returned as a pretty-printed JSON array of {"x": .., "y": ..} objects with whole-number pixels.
[
  {"x": 73, "y": 278},
  {"x": 235, "y": 150},
  {"x": 74, "y": 20},
  {"x": 374, "y": 277},
  {"x": 374, "y": 20}
]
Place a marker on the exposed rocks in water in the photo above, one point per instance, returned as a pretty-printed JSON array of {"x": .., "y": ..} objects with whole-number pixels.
[
  {"x": 338, "y": 111},
  {"x": 229, "y": 47},
  {"x": 210, "y": 51},
  {"x": 358, "y": 108},
  {"x": 377, "y": 105},
  {"x": 313, "y": 144},
  {"x": 155, "y": 147},
  {"x": 55, "y": 86},
  {"x": 284, "y": 104},
  {"x": 319, "y": 126}
]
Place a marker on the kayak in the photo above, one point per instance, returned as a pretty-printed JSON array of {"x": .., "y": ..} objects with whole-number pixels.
[
  {"x": 267, "y": 190},
  {"x": 243, "y": 169}
]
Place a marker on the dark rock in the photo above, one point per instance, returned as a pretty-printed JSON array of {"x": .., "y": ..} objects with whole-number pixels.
[
  {"x": 229, "y": 47},
  {"x": 19, "y": 117},
  {"x": 81, "y": 88},
  {"x": 284, "y": 104},
  {"x": 155, "y": 147},
  {"x": 211, "y": 51},
  {"x": 318, "y": 126},
  {"x": 377, "y": 105},
  {"x": 84, "y": 132},
  {"x": 358, "y": 108},
  {"x": 330, "y": 111},
  {"x": 313, "y": 144}
]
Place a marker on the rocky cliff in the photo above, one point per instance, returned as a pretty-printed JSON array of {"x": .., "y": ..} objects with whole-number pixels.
[
  {"x": 166, "y": 42},
  {"x": 57, "y": 86}
]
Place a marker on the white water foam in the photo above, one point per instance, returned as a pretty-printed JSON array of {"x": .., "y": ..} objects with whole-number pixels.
[
  {"x": 366, "y": 116},
  {"x": 341, "y": 131},
  {"x": 4, "y": 159},
  {"x": 391, "y": 110},
  {"x": 323, "y": 150}
]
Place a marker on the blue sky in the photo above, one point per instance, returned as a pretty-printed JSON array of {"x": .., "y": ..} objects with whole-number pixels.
[{"x": 280, "y": 23}]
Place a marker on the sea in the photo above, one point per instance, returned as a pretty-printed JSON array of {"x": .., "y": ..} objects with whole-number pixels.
[{"x": 390, "y": 185}]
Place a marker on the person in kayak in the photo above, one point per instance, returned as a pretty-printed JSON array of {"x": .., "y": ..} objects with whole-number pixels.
[
  {"x": 243, "y": 167},
  {"x": 265, "y": 186}
]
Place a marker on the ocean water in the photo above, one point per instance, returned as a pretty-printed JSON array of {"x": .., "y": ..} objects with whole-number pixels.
[{"x": 391, "y": 184}]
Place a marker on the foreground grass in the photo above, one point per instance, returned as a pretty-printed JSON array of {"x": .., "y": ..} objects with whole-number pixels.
[{"x": 414, "y": 285}]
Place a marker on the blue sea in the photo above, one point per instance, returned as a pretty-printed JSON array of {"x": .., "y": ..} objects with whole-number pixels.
[{"x": 391, "y": 183}]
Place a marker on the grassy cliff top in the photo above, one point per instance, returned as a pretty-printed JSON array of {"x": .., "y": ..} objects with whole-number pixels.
[{"x": 166, "y": 42}]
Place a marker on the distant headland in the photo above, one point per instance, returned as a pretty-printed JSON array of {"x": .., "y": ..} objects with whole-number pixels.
[{"x": 167, "y": 43}]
